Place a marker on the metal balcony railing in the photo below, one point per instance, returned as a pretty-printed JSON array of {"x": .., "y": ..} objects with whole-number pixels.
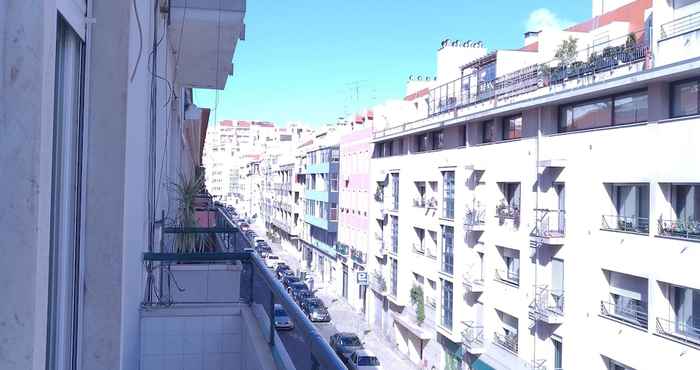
[
  {"x": 547, "y": 302},
  {"x": 255, "y": 283},
  {"x": 687, "y": 331},
  {"x": 686, "y": 229},
  {"x": 632, "y": 224},
  {"x": 680, "y": 26},
  {"x": 635, "y": 314},
  {"x": 589, "y": 65},
  {"x": 550, "y": 223},
  {"x": 475, "y": 217},
  {"x": 470, "y": 280},
  {"x": 473, "y": 334},
  {"x": 507, "y": 341},
  {"x": 507, "y": 276},
  {"x": 342, "y": 249}
]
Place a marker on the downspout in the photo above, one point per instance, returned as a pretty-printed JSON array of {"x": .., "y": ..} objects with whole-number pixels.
[{"x": 538, "y": 243}]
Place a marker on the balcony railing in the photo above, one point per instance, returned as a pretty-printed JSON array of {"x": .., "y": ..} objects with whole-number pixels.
[
  {"x": 342, "y": 249},
  {"x": 548, "y": 303},
  {"x": 587, "y": 66},
  {"x": 419, "y": 248},
  {"x": 251, "y": 283},
  {"x": 550, "y": 223},
  {"x": 680, "y": 26},
  {"x": 634, "y": 314},
  {"x": 687, "y": 331},
  {"x": 686, "y": 229},
  {"x": 631, "y": 224},
  {"x": 475, "y": 217},
  {"x": 507, "y": 341},
  {"x": 506, "y": 276},
  {"x": 358, "y": 256},
  {"x": 473, "y": 335},
  {"x": 508, "y": 212},
  {"x": 419, "y": 202},
  {"x": 475, "y": 282}
]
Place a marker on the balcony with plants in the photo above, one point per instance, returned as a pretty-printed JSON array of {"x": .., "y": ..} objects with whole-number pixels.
[{"x": 378, "y": 283}]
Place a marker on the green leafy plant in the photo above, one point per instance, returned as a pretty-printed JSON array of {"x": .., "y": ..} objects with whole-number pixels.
[
  {"x": 566, "y": 52},
  {"x": 418, "y": 301},
  {"x": 186, "y": 190}
]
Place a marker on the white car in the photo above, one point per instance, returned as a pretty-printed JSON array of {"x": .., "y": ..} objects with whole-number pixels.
[
  {"x": 364, "y": 360},
  {"x": 272, "y": 260},
  {"x": 282, "y": 320}
]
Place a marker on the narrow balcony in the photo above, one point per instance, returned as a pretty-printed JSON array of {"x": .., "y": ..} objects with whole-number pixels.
[
  {"x": 687, "y": 331},
  {"x": 550, "y": 226},
  {"x": 548, "y": 306},
  {"x": 358, "y": 256},
  {"x": 505, "y": 212},
  {"x": 202, "y": 284},
  {"x": 342, "y": 249},
  {"x": 473, "y": 283},
  {"x": 682, "y": 229},
  {"x": 419, "y": 248},
  {"x": 630, "y": 313},
  {"x": 419, "y": 202},
  {"x": 475, "y": 219},
  {"x": 473, "y": 338},
  {"x": 680, "y": 26},
  {"x": 506, "y": 341},
  {"x": 378, "y": 283},
  {"x": 508, "y": 277},
  {"x": 539, "y": 364},
  {"x": 628, "y": 224}
]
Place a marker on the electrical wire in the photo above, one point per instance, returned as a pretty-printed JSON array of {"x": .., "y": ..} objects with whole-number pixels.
[{"x": 138, "y": 58}]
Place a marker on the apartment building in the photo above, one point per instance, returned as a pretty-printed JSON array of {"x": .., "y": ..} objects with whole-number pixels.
[
  {"x": 537, "y": 212},
  {"x": 353, "y": 218}
]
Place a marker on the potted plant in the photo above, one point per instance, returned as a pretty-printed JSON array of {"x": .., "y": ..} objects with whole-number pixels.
[
  {"x": 186, "y": 191},
  {"x": 418, "y": 302}
]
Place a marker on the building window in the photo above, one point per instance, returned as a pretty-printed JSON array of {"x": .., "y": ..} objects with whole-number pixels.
[
  {"x": 395, "y": 189},
  {"x": 632, "y": 208},
  {"x": 685, "y": 219},
  {"x": 334, "y": 181},
  {"x": 448, "y": 194},
  {"x": 394, "y": 277},
  {"x": 66, "y": 184},
  {"x": 685, "y": 322},
  {"x": 558, "y": 354},
  {"x": 509, "y": 206},
  {"x": 387, "y": 149},
  {"x": 513, "y": 127},
  {"x": 400, "y": 146},
  {"x": 447, "y": 250},
  {"x": 507, "y": 334},
  {"x": 617, "y": 110},
  {"x": 333, "y": 212},
  {"x": 463, "y": 135},
  {"x": 438, "y": 140},
  {"x": 423, "y": 142},
  {"x": 489, "y": 131},
  {"x": 395, "y": 234},
  {"x": 627, "y": 299},
  {"x": 447, "y": 299},
  {"x": 685, "y": 98}
]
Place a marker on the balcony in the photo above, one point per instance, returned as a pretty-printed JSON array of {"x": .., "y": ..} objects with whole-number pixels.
[
  {"x": 680, "y": 26},
  {"x": 419, "y": 248},
  {"x": 506, "y": 341},
  {"x": 473, "y": 283},
  {"x": 505, "y": 212},
  {"x": 589, "y": 66},
  {"x": 550, "y": 226},
  {"x": 358, "y": 256},
  {"x": 682, "y": 229},
  {"x": 548, "y": 306},
  {"x": 475, "y": 219},
  {"x": 206, "y": 34},
  {"x": 687, "y": 332},
  {"x": 508, "y": 277},
  {"x": 342, "y": 249},
  {"x": 216, "y": 294},
  {"x": 473, "y": 338},
  {"x": 419, "y": 202},
  {"x": 628, "y": 224},
  {"x": 378, "y": 283},
  {"x": 631, "y": 314}
]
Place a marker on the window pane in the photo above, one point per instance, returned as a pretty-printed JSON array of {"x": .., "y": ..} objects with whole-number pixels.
[
  {"x": 513, "y": 127},
  {"x": 593, "y": 114},
  {"x": 631, "y": 108},
  {"x": 489, "y": 131},
  {"x": 685, "y": 99}
]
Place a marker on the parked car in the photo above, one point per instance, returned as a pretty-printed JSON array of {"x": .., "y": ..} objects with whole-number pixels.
[
  {"x": 296, "y": 286},
  {"x": 315, "y": 310},
  {"x": 282, "y": 320},
  {"x": 344, "y": 344},
  {"x": 244, "y": 226},
  {"x": 272, "y": 261},
  {"x": 287, "y": 280},
  {"x": 363, "y": 360},
  {"x": 281, "y": 274},
  {"x": 302, "y": 295},
  {"x": 282, "y": 266},
  {"x": 259, "y": 240}
]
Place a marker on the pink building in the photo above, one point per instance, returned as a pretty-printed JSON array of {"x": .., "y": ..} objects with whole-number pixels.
[{"x": 353, "y": 225}]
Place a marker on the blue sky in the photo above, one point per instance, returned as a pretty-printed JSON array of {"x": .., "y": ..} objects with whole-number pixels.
[{"x": 301, "y": 61}]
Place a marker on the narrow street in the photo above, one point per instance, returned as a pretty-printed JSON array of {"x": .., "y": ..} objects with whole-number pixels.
[{"x": 343, "y": 318}]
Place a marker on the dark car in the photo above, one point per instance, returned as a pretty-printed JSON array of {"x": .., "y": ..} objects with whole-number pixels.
[
  {"x": 315, "y": 310},
  {"x": 284, "y": 273},
  {"x": 280, "y": 268},
  {"x": 302, "y": 295},
  {"x": 295, "y": 286},
  {"x": 287, "y": 280},
  {"x": 344, "y": 344}
]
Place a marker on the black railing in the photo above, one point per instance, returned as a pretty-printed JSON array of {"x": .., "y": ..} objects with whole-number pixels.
[
  {"x": 252, "y": 283},
  {"x": 631, "y": 224},
  {"x": 635, "y": 314}
]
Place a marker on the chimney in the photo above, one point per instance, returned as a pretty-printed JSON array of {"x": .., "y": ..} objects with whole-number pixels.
[{"x": 531, "y": 36}]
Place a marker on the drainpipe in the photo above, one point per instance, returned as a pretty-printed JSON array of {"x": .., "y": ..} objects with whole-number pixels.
[{"x": 538, "y": 245}]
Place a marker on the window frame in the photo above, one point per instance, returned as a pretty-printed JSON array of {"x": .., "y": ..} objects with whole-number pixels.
[
  {"x": 613, "y": 98},
  {"x": 673, "y": 98},
  {"x": 507, "y": 127}
]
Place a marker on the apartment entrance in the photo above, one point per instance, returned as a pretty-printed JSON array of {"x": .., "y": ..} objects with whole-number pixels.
[{"x": 345, "y": 281}]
